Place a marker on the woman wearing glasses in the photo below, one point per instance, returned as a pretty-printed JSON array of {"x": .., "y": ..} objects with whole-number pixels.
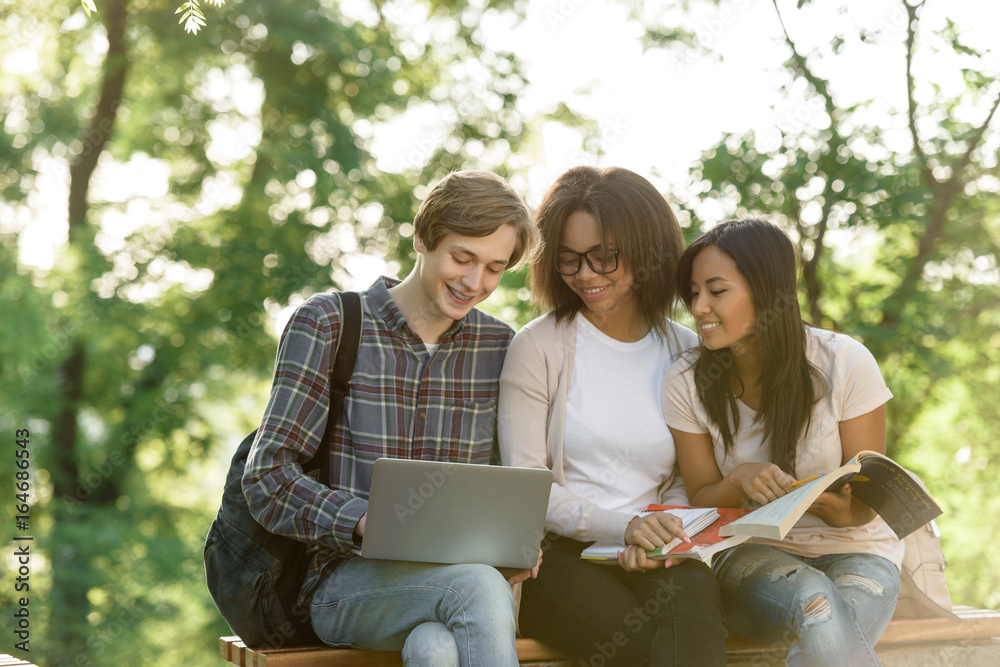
[{"x": 580, "y": 394}]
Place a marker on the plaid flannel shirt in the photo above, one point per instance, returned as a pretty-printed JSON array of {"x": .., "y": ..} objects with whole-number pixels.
[{"x": 401, "y": 403}]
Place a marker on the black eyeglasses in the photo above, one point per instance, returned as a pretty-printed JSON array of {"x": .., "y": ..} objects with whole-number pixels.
[{"x": 568, "y": 262}]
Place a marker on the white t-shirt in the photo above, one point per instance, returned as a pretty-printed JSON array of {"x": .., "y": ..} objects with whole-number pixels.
[
  {"x": 618, "y": 450},
  {"x": 854, "y": 386}
]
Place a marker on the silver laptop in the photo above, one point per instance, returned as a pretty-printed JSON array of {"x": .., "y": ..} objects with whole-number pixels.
[{"x": 436, "y": 512}]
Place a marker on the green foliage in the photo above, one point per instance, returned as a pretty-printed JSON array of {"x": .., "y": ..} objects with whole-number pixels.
[
  {"x": 247, "y": 183},
  {"x": 192, "y": 18}
]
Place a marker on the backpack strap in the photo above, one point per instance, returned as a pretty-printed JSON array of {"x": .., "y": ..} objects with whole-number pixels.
[{"x": 345, "y": 356}]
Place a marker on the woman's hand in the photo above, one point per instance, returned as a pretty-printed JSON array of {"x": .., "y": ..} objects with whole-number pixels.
[
  {"x": 654, "y": 530},
  {"x": 633, "y": 559},
  {"x": 761, "y": 482},
  {"x": 840, "y": 509}
]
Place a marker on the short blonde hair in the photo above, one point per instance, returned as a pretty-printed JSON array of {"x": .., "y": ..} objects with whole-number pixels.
[{"x": 475, "y": 203}]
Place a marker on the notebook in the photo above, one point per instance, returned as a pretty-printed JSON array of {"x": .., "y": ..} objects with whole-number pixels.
[{"x": 437, "y": 512}]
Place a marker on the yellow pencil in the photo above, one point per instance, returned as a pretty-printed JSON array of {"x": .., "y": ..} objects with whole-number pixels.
[{"x": 803, "y": 481}]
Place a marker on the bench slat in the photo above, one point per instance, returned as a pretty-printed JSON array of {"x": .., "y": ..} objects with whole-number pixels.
[
  {"x": 973, "y": 624},
  {"x": 11, "y": 661},
  {"x": 532, "y": 649},
  {"x": 321, "y": 658},
  {"x": 226, "y": 647}
]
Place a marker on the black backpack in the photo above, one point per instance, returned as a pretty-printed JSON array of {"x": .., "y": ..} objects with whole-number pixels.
[{"x": 255, "y": 576}]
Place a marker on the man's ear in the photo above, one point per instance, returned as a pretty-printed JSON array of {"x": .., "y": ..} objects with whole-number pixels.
[{"x": 418, "y": 244}]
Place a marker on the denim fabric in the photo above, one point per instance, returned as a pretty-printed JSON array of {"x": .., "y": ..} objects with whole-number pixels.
[
  {"x": 830, "y": 610},
  {"x": 376, "y": 604},
  {"x": 431, "y": 645},
  {"x": 402, "y": 404},
  {"x": 254, "y": 576}
]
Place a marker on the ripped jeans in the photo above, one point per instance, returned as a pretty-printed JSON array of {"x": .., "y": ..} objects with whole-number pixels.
[{"x": 830, "y": 610}]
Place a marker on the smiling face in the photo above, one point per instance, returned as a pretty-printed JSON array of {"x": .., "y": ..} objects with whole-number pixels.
[
  {"x": 463, "y": 270},
  {"x": 721, "y": 302},
  {"x": 601, "y": 293}
]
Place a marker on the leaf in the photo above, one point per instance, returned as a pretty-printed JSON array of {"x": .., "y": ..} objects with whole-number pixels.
[
  {"x": 193, "y": 25},
  {"x": 192, "y": 18}
]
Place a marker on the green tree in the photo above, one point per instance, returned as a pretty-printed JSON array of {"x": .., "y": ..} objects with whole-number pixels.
[
  {"x": 192, "y": 17},
  {"x": 898, "y": 247},
  {"x": 124, "y": 357}
]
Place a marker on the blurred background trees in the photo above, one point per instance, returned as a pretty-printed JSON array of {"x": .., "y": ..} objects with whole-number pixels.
[
  {"x": 167, "y": 198},
  {"x": 208, "y": 182}
]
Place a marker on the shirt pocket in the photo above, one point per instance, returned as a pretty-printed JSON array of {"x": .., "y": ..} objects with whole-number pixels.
[{"x": 473, "y": 424}]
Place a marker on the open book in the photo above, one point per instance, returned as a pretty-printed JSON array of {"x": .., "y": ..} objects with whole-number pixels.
[
  {"x": 701, "y": 524},
  {"x": 889, "y": 488}
]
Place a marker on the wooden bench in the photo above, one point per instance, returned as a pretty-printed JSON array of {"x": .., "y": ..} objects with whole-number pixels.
[
  {"x": 974, "y": 640},
  {"x": 11, "y": 661}
]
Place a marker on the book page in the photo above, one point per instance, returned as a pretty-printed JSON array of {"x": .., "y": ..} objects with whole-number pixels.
[
  {"x": 687, "y": 515},
  {"x": 771, "y": 516},
  {"x": 693, "y": 519},
  {"x": 602, "y": 552},
  {"x": 775, "y": 511},
  {"x": 708, "y": 542}
]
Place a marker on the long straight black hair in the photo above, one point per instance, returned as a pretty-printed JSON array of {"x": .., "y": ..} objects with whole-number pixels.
[{"x": 765, "y": 258}]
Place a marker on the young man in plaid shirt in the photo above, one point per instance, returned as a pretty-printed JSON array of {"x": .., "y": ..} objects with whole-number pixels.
[{"x": 424, "y": 386}]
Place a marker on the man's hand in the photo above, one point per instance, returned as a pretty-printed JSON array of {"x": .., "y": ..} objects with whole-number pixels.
[
  {"x": 633, "y": 559},
  {"x": 654, "y": 530},
  {"x": 515, "y": 576},
  {"x": 359, "y": 528}
]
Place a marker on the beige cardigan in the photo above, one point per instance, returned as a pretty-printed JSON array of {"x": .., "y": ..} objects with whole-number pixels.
[{"x": 532, "y": 424}]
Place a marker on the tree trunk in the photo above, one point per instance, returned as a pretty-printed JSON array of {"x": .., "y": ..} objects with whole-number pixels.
[{"x": 71, "y": 579}]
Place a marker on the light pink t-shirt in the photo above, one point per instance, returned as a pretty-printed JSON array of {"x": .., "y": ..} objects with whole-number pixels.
[{"x": 854, "y": 386}]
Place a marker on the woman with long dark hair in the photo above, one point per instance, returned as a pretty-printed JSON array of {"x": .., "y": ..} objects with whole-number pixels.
[
  {"x": 765, "y": 400},
  {"x": 580, "y": 395}
]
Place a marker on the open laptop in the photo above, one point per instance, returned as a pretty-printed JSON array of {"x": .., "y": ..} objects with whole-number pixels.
[{"x": 437, "y": 512}]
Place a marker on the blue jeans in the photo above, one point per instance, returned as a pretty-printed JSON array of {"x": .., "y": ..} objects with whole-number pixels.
[
  {"x": 376, "y": 604},
  {"x": 830, "y": 610}
]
